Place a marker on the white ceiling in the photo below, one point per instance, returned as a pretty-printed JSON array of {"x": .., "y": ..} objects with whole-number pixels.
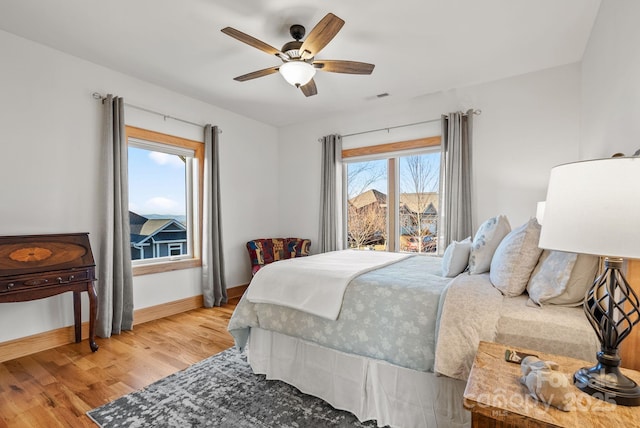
[{"x": 418, "y": 46}]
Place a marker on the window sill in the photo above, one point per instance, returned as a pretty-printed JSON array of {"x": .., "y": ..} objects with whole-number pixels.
[{"x": 169, "y": 266}]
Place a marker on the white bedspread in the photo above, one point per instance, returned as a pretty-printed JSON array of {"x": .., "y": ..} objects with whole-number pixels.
[{"x": 324, "y": 280}]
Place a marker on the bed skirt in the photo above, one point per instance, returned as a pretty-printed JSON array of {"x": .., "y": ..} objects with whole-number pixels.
[{"x": 370, "y": 389}]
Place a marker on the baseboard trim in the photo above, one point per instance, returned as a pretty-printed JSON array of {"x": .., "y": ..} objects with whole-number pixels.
[
  {"x": 166, "y": 309},
  {"x": 236, "y": 293},
  {"x": 24, "y": 346}
]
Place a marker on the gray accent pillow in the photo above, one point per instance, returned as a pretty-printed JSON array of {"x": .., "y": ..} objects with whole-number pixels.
[
  {"x": 485, "y": 242},
  {"x": 515, "y": 258},
  {"x": 456, "y": 258},
  {"x": 562, "y": 278}
]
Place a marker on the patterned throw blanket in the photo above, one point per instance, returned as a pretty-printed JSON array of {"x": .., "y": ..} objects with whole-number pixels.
[
  {"x": 387, "y": 314},
  {"x": 315, "y": 284}
]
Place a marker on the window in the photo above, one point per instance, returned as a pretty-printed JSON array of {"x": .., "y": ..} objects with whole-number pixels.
[
  {"x": 419, "y": 177},
  {"x": 392, "y": 196},
  {"x": 175, "y": 249},
  {"x": 165, "y": 176},
  {"x": 367, "y": 183}
]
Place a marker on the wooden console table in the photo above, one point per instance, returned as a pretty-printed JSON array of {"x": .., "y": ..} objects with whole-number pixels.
[
  {"x": 496, "y": 398},
  {"x": 38, "y": 266}
]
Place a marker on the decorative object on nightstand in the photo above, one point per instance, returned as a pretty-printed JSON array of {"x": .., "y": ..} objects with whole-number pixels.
[
  {"x": 593, "y": 207},
  {"x": 547, "y": 383}
]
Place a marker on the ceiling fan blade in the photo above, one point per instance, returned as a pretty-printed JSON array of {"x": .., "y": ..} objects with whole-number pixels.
[
  {"x": 251, "y": 41},
  {"x": 348, "y": 67},
  {"x": 256, "y": 74},
  {"x": 309, "y": 89},
  {"x": 321, "y": 35}
]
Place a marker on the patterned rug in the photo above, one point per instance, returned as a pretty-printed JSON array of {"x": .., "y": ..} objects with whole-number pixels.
[{"x": 221, "y": 391}]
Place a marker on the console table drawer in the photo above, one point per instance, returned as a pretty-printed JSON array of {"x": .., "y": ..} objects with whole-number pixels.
[{"x": 49, "y": 279}]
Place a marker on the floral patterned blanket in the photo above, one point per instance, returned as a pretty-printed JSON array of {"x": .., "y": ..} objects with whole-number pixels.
[{"x": 387, "y": 314}]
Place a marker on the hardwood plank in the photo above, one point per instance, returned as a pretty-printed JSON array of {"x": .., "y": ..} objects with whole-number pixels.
[{"x": 56, "y": 387}]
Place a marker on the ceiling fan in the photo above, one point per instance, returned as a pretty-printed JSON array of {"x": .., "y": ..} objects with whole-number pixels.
[{"x": 298, "y": 57}]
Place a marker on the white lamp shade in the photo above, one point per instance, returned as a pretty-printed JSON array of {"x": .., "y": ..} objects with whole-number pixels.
[
  {"x": 297, "y": 73},
  {"x": 593, "y": 207},
  {"x": 540, "y": 211}
]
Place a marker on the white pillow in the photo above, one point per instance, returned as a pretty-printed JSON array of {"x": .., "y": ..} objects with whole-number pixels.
[
  {"x": 562, "y": 278},
  {"x": 487, "y": 239},
  {"x": 456, "y": 258},
  {"x": 515, "y": 258}
]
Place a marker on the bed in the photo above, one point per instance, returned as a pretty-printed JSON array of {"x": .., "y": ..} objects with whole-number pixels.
[{"x": 400, "y": 348}]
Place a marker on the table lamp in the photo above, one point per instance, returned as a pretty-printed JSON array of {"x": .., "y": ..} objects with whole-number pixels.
[{"x": 593, "y": 207}]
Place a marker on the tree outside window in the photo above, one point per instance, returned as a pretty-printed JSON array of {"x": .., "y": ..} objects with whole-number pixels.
[
  {"x": 417, "y": 203},
  {"x": 419, "y": 178}
]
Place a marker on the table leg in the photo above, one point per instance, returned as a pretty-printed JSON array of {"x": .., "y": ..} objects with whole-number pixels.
[
  {"x": 77, "y": 310},
  {"x": 93, "y": 312}
]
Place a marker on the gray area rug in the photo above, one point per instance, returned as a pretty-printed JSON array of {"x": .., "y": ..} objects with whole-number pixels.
[{"x": 221, "y": 391}]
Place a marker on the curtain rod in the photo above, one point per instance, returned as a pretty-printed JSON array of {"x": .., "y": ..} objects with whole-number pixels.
[
  {"x": 388, "y": 128},
  {"x": 98, "y": 96}
]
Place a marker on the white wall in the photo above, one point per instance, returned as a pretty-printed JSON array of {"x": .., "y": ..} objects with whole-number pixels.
[
  {"x": 50, "y": 132},
  {"x": 610, "y": 119},
  {"x": 528, "y": 124}
]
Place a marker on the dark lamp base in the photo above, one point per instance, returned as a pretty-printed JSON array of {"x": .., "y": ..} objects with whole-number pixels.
[{"x": 608, "y": 384}]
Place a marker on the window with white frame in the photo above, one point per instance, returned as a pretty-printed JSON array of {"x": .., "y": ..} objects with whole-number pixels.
[
  {"x": 392, "y": 200},
  {"x": 175, "y": 249},
  {"x": 164, "y": 200}
]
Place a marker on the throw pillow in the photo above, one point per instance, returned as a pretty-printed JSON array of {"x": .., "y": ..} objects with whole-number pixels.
[
  {"x": 456, "y": 258},
  {"x": 515, "y": 258},
  {"x": 485, "y": 242},
  {"x": 562, "y": 278}
]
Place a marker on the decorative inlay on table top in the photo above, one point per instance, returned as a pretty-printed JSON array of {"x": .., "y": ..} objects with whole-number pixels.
[{"x": 38, "y": 253}]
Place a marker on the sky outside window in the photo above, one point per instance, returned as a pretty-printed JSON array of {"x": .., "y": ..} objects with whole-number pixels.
[{"x": 156, "y": 183}]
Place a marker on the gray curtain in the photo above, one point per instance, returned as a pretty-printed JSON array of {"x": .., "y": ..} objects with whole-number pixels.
[
  {"x": 214, "y": 288},
  {"x": 331, "y": 229},
  {"x": 455, "y": 180},
  {"x": 115, "y": 279}
]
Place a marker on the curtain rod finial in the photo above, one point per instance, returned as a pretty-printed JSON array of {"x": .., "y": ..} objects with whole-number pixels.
[{"x": 97, "y": 96}]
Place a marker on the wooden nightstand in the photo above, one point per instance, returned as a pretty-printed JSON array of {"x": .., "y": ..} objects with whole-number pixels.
[{"x": 496, "y": 398}]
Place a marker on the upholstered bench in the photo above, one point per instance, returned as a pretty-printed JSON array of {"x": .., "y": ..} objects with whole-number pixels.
[{"x": 268, "y": 250}]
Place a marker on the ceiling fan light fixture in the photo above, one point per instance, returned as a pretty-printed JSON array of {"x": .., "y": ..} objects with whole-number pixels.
[{"x": 297, "y": 73}]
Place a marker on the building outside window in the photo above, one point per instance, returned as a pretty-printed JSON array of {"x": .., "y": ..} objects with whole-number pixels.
[{"x": 392, "y": 201}]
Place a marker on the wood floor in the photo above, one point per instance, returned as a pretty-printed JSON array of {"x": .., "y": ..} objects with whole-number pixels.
[{"x": 55, "y": 388}]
